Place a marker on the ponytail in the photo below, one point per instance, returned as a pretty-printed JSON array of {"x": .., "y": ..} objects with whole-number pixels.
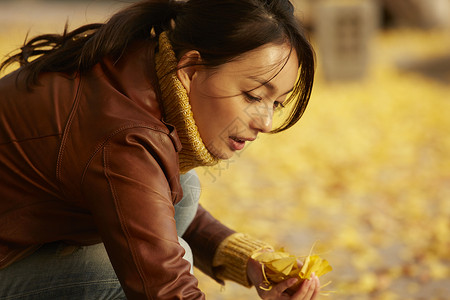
[
  {"x": 79, "y": 50},
  {"x": 133, "y": 23}
]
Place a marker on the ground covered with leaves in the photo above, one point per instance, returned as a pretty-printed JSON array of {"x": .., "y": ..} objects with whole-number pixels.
[{"x": 365, "y": 175}]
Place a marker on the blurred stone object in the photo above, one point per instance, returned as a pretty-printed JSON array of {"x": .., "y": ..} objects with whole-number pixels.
[
  {"x": 344, "y": 30},
  {"x": 436, "y": 68},
  {"x": 418, "y": 13}
]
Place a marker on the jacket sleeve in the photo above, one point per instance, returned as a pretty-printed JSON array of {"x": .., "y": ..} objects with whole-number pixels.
[
  {"x": 129, "y": 191},
  {"x": 220, "y": 252},
  {"x": 204, "y": 236}
]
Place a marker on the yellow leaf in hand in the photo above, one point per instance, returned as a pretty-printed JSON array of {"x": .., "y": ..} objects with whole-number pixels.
[
  {"x": 279, "y": 265},
  {"x": 284, "y": 265},
  {"x": 314, "y": 264},
  {"x": 264, "y": 257}
]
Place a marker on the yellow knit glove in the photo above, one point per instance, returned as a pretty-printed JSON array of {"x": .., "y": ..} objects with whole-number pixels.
[{"x": 233, "y": 254}]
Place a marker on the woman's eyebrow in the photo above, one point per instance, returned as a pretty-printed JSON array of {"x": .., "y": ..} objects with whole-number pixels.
[
  {"x": 269, "y": 85},
  {"x": 264, "y": 82}
]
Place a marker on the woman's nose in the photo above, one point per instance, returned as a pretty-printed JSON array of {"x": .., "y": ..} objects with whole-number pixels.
[{"x": 262, "y": 117}]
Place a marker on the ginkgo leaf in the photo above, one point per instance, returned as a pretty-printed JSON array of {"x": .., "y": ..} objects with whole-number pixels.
[
  {"x": 284, "y": 265},
  {"x": 314, "y": 264},
  {"x": 279, "y": 265},
  {"x": 269, "y": 256}
]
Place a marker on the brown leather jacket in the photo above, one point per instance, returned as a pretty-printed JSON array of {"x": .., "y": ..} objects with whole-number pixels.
[{"x": 88, "y": 159}]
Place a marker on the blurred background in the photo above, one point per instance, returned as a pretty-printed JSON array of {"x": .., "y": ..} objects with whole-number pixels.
[{"x": 364, "y": 176}]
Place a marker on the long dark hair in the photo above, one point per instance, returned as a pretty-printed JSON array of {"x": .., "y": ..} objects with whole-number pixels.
[{"x": 220, "y": 30}]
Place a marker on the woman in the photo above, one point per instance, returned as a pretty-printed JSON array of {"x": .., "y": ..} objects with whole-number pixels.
[{"x": 98, "y": 124}]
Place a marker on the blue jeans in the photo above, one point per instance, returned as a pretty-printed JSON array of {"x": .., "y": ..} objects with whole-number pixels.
[{"x": 85, "y": 273}]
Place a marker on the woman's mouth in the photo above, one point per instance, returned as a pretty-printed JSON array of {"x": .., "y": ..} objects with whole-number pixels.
[{"x": 237, "y": 143}]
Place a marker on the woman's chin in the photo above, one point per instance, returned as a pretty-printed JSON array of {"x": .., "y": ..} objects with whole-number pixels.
[{"x": 222, "y": 154}]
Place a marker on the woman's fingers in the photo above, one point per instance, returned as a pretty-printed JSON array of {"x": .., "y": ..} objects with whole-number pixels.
[
  {"x": 317, "y": 289},
  {"x": 283, "y": 286},
  {"x": 302, "y": 293},
  {"x": 309, "y": 289}
]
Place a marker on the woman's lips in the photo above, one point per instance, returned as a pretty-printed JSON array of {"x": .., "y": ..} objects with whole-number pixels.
[{"x": 237, "y": 143}]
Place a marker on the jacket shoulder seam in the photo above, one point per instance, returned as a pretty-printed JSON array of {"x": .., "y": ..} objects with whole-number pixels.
[
  {"x": 134, "y": 255},
  {"x": 66, "y": 130},
  {"x": 102, "y": 144}
]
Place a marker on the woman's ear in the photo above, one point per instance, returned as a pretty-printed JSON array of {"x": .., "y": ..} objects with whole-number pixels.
[{"x": 187, "y": 67}]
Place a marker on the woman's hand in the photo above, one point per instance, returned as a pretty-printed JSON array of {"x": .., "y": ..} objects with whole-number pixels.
[{"x": 308, "y": 290}]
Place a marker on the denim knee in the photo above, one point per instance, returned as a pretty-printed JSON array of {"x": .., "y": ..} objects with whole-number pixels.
[{"x": 54, "y": 273}]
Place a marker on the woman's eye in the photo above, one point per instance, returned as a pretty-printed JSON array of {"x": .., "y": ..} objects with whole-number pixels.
[
  {"x": 251, "y": 98},
  {"x": 277, "y": 104}
]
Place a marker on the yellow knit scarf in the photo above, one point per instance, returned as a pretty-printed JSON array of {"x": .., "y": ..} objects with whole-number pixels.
[{"x": 177, "y": 110}]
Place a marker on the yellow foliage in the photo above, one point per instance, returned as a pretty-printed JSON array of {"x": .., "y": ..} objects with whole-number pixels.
[
  {"x": 366, "y": 171},
  {"x": 279, "y": 265}
]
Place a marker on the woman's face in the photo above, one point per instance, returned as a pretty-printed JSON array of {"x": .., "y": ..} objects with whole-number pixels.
[{"x": 235, "y": 101}]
